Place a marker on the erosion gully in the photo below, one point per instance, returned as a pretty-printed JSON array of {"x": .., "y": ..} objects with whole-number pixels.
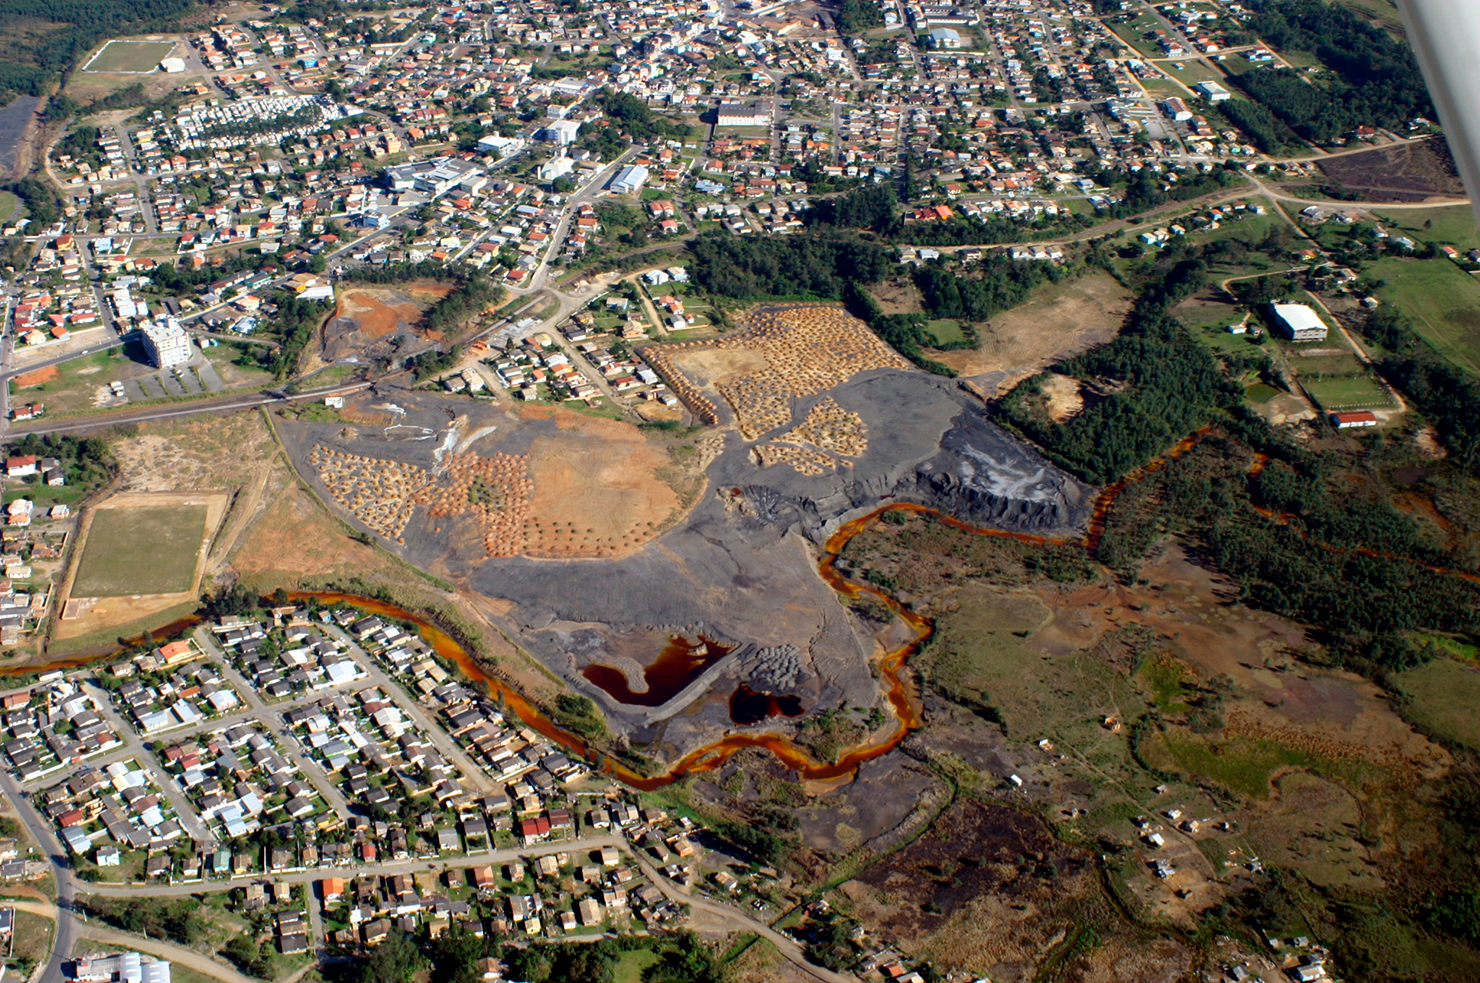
[{"x": 899, "y": 689}]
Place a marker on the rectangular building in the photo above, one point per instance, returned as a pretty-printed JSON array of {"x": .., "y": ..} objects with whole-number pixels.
[
  {"x": 1299, "y": 322},
  {"x": 166, "y": 342},
  {"x": 629, "y": 180},
  {"x": 740, "y": 114}
]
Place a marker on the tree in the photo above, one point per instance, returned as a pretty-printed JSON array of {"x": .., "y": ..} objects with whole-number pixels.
[
  {"x": 454, "y": 956},
  {"x": 396, "y": 960}
]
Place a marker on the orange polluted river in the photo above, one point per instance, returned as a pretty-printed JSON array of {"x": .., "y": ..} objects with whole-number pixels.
[{"x": 898, "y": 689}]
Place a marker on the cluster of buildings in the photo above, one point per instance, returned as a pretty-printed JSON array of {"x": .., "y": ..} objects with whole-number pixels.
[
  {"x": 122, "y": 967},
  {"x": 53, "y": 725}
]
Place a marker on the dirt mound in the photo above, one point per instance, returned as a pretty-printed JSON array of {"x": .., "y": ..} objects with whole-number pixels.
[
  {"x": 1409, "y": 172},
  {"x": 366, "y": 316}
]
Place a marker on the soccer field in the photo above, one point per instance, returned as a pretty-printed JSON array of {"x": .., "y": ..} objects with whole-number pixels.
[
  {"x": 130, "y": 56},
  {"x": 144, "y": 550}
]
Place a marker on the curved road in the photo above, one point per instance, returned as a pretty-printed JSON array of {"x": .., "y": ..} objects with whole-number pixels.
[
  {"x": 67, "y": 927},
  {"x": 197, "y": 961}
]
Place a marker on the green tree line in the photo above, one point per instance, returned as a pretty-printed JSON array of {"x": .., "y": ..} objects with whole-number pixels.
[
  {"x": 1378, "y": 80},
  {"x": 1161, "y": 385}
]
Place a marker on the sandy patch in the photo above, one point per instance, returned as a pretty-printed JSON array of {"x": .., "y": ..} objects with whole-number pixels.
[
  {"x": 1060, "y": 320},
  {"x": 596, "y": 489},
  {"x": 296, "y": 539},
  {"x": 1064, "y": 398},
  {"x": 708, "y": 367}
]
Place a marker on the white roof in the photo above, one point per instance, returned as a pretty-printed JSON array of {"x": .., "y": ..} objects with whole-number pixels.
[{"x": 1298, "y": 317}]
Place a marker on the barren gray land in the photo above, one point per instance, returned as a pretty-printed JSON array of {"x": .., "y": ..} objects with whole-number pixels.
[{"x": 739, "y": 568}]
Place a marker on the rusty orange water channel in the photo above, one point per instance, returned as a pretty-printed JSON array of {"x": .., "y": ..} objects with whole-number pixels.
[{"x": 898, "y": 688}]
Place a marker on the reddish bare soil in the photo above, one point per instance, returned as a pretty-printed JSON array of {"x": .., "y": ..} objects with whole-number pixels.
[{"x": 36, "y": 377}]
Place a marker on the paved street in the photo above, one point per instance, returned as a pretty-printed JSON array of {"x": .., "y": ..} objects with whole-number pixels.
[
  {"x": 66, "y": 921},
  {"x": 386, "y": 869}
]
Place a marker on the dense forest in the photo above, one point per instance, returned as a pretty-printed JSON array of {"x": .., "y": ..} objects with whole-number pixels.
[
  {"x": 803, "y": 267},
  {"x": 454, "y": 957},
  {"x": 996, "y": 284},
  {"x": 1158, "y": 385},
  {"x": 294, "y": 325},
  {"x": 34, "y": 61},
  {"x": 1266, "y": 129},
  {"x": 868, "y": 207},
  {"x": 1379, "y": 80},
  {"x": 628, "y": 120},
  {"x": 857, "y": 16}
]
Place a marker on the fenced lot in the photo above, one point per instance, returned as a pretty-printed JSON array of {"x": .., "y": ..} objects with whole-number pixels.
[
  {"x": 141, "y": 550},
  {"x": 135, "y": 57}
]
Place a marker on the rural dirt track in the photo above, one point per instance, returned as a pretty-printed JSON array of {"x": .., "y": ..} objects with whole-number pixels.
[{"x": 167, "y": 950}]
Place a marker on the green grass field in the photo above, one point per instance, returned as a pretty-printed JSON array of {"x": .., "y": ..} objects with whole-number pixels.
[
  {"x": 9, "y": 205},
  {"x": 1452, "y": 225},
  {"x": 1134, "y": 31},
  {"x": 130, "y": 56},
  {"x": 149, "y": 550},
  {"x": 1360, "y": 392},
  {"x": 1260, "y": 393},
  {"x": 1191, "y": 72},
  {"x": 630, "y": 967},
  {"x": 1442, "y": 299},
  {"x": 1442, "y": 696},
  {"x": 945, "y": 331}
]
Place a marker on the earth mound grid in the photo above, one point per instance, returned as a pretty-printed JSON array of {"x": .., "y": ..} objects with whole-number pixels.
[{"x": 548, "y": 518}]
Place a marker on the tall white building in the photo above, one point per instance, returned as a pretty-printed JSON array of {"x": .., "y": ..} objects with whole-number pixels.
[
  {"x": 166, "y": 342},
  {"x": 563, "y": 132}
]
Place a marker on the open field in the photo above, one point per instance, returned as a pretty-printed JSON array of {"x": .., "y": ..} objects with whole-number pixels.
[
  {"x": 1058, "y": 320},
  {"x": 148, "y": 557},
  {"x": 1405, "y": 172},
  {"x": 1441, "y": 698},
  {"x": 141, "y": 550},
  {"x": 1383, "y": 13},
  {"x": 134, "y": 57},
  {"x": 1447, "y": 225},
  {"x": 9, "y": 204},
  {"x": 945, "y": 330},
  {"x": 80, "y": 384},
  {"x": 1442, "y": 299},
  {"x": 1190, "y": 71},
  {"x": 31, "y": 935},
  {"x": 1303, "y": 762},
  {"x": 1354, "y": 393}
]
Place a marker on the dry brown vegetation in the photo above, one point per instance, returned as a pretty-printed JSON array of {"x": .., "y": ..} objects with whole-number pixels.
[{"x": 1058, "y": 320}]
